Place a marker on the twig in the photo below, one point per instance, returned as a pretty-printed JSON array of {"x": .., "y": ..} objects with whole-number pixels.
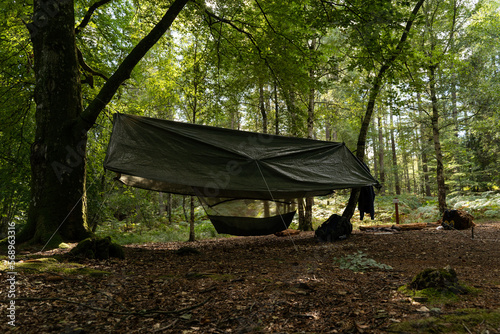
[
  {"x": 468, "y": 330},
  {"x": 166, "y": 327}
]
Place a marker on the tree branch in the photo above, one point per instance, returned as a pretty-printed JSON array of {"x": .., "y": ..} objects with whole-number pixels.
[
  {"x": 90, "y": 114},
  {"x": 86, "y": 67},
  {"x": 88, "y": 15}
]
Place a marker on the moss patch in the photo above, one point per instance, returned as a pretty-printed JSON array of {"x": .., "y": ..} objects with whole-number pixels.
[
  {"x": 436, "y": 286},
  {"x": 461, "y": 321},
  {"x": 430, "y": 296},
  {"x": 52, "y": 265}
]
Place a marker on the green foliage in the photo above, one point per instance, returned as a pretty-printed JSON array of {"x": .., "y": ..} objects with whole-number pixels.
[
  {"x": 16, "y": 113},
  {"x": 485, "y": 204},
  {"x": 359, "y": 262}
]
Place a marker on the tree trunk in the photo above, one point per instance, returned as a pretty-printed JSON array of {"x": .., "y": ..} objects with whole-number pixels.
[
  {"x": 437, "y": 144},
  {"x": 423, "y": 143},
  {"x": 262, "y": 107},
  {"x": 309, "y": 201},
  {"x": 186, "y": 218},
  {"x": 374, "y": 91},
  {"x": 169, "y": 208},
  {"x": 381, "y": 153},
  {"x": 57, "y": 208},
  {"x": 161, "y": 204},
  {"x": 191, "y": 221},
  {"x": 276, "y": 111},
  {"x": 397, "y": 186}
]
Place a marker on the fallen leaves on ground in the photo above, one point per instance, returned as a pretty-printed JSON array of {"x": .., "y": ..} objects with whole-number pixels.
[{"x": 257, "y": 285}]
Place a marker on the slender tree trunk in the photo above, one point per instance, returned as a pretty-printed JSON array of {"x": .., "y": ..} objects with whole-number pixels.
[
  {"x": 186, "y": 218},
  {"x": 276, "y": 111},
  {"x": 381, "y": 153},
  {"x": 374, "y": 91},
  {"x": 375, "y": 155},
  {"x": 194, "y": 113},
  {"x": 293, "y": 110},
  {"x": 300, "y": 205},
  {"x": 425, "y": 171},
  {"x": 309, "y": 201},
  {"x": 262, "y": 107},
  {"x": 191, "y": 221},
  {"x": 397, "y": 186},
  {"x": 161, "y": 204},
  {"x": 169, "y": 208},
  {"x": 437, "y": 144},
  {"x": 423, "y": 143},
  {"x": 263, "y": 112}
]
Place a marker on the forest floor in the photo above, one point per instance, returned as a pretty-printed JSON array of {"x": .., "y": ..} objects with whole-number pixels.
[{"x": 264, "y": 285}]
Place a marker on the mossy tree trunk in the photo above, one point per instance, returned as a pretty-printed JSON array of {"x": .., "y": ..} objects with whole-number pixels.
[{"x": 57, "y": 203}]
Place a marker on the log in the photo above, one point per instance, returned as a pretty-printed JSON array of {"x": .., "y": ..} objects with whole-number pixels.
[{"x": 399, "y": 227}]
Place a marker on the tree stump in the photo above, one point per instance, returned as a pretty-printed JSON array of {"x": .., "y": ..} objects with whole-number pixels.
[
  {"x": 440, "y": 279},
  {"x": 457, "y": 220}
]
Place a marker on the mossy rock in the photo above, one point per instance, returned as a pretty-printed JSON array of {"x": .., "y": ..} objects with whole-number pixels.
[
  {"x": 97, "y": 248},
  {"x": 440, "y": 279}
]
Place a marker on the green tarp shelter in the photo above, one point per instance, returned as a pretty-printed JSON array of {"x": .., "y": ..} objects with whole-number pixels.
[{"x": 222, "y": 164}]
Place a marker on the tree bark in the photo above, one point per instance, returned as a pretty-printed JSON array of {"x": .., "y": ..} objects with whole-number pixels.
[
  {"x": 423, "y": 143},
  {"x": 192, "y": 236},
  {"x": 437, "y": 143},
  {"x": 395, "y": 172},
  {"x": 161, "y": 204},
  {"x": 169, "y": 208},
  {"x": 381, "y": 153},
  {"x": 57, "y": 208},
  {"x": 276, "y": 110},
  {"x": 262, "y": 107},
  {"x": 309, "y": 201}
]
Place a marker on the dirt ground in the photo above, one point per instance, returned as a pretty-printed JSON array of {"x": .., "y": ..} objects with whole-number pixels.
[{"x": 260, "y": 285}]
